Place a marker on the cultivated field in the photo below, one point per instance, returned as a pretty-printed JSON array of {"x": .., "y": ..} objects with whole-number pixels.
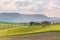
[{"x": 10, "y": 31}]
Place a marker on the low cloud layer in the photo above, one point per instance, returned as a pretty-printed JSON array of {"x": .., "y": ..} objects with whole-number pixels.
[{"x": 50, "y": 8}]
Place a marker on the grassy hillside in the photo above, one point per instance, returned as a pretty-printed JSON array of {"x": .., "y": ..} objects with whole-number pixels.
[{"x": 17, "y": 29}]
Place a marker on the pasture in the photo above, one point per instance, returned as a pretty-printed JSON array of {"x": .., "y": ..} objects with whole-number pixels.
[{"x": 19, "y": 29}]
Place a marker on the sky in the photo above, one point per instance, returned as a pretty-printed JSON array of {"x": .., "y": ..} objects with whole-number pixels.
[{"x": 50, "y": 8}]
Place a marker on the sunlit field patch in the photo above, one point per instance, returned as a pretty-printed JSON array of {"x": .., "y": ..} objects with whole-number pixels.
[{"x": 18, "y": 29}]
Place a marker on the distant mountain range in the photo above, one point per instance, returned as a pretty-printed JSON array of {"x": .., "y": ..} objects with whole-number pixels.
[{"x": 21, "y": 18}]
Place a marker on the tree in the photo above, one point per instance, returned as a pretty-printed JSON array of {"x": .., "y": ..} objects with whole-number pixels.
[
  {"x": 34, "y": 23},
  {"x": 45, "y": 23},
  {"x": 31, "y": 23}
]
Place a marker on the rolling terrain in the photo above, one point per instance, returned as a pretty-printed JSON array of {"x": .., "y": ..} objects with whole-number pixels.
[
  {"x": 11, "y": 29},
  {"x": 16, "y": 29},
  {"x": 25, "y": 18},
  {"x": 26, "y": 32}
]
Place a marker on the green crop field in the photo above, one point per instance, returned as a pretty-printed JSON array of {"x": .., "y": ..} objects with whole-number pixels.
[{"x": 18, "y": 29}]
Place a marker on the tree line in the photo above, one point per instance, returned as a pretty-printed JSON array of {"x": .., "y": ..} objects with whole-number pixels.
[{"x": 44, "y": 23}]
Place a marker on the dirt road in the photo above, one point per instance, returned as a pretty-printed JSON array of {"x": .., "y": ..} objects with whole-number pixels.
[{"x": 38, "y": 36}]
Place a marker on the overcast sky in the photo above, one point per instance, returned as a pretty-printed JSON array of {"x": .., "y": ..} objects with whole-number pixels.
[{"x": 50, "y": 8}]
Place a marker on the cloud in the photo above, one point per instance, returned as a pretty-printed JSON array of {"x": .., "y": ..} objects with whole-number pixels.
[
  {"x": 23, "y": 3},
  {"x": 47, "y": 7},
  {"x": 53, "y": 9},
  {"x": 32, "y": 6}
]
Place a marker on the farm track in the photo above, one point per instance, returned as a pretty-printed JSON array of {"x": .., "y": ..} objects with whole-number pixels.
[{"x": 38, "y": 36}]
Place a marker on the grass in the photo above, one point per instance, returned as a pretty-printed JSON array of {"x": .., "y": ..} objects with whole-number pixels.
[
  {"x": 18, "y": 29},
  {"x": 6, "y": 26}
]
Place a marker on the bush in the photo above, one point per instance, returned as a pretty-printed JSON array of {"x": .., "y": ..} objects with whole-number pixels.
[{"x": 45, "y": 23}]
